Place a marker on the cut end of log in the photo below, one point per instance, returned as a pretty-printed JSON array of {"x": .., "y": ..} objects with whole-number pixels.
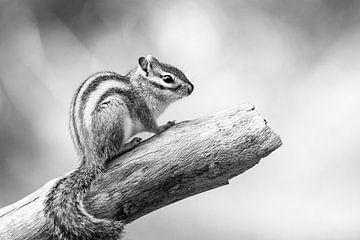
[{"x": 189, "y": 158}]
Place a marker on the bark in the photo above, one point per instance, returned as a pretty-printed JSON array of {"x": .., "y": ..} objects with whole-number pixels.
[{"x": 189, "y": 158}]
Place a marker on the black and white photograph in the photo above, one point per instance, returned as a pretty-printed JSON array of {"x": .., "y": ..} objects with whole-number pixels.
[{"x": 179, "y": 120}]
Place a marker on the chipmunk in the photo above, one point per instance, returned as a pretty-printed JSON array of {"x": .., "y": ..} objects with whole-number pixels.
[{"x": 107, "y": 110}]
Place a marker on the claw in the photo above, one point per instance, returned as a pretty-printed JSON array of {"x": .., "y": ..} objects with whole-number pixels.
[
  {"x": 170, "y": 123},
  {"x": 136, "y": 140},
  {"x": 166, "y": 126}
]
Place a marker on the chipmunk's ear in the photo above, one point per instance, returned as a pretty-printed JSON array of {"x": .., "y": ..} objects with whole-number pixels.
[
  {"x": 144, "y": 65},
  {"x": 151, "y": 58}
]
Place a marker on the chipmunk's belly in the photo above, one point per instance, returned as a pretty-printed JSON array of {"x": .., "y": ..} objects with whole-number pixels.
[
  {"x": 128, "y": 126},
  {"x": 131, "y": 127},
  {"x": 137, "y": 127}
]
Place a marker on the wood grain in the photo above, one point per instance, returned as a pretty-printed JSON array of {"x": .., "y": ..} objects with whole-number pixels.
[{"x": 189, "y": 158}]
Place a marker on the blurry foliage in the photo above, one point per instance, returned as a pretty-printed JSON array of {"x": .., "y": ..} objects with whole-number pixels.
[{"x": 297, "y": 61}]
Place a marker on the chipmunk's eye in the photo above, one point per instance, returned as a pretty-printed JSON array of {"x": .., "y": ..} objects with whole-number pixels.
[{"x": 168, "y": 78}]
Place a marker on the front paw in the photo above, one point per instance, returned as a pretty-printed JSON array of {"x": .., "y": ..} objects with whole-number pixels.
[
  {"x": 167, "y": 125},
  {"x": 136, "y": 141}
]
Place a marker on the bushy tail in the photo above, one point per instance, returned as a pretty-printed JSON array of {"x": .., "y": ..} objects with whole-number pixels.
[{"x": 68, "y": 219}]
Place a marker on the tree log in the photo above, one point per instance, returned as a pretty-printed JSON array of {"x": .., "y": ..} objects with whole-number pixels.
[{"x": 189, "y": 158}]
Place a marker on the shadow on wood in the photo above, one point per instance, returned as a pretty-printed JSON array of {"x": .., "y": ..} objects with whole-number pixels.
[{"x": 187, "y": 159}]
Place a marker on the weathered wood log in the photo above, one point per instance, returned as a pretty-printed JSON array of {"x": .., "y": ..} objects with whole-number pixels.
[{"x": 187, "y": 159}]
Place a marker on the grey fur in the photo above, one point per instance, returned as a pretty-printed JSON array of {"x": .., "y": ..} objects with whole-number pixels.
[{"x": 144, "y": 99}]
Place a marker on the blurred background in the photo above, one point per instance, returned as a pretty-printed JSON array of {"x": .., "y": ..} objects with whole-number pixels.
[{"x": 298, "y": 62}]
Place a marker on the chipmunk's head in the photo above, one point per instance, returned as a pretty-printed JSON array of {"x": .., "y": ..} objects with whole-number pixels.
[{"x": 166, "y": 80}]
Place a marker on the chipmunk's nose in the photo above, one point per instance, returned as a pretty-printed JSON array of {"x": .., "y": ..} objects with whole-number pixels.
[{"x": 190, "y": 88}]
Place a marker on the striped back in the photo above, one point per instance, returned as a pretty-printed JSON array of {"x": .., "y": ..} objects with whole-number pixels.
[{"x": 85, "y": 101}]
